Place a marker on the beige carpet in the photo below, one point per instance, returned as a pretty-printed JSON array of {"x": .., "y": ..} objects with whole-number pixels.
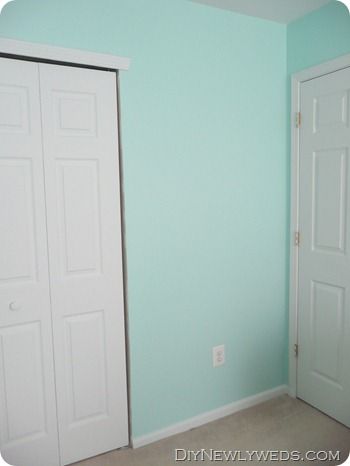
[{"x": 281, "y": 424}]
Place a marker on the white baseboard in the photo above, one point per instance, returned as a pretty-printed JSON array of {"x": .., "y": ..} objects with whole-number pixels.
[{"x": 209, "y": 416}]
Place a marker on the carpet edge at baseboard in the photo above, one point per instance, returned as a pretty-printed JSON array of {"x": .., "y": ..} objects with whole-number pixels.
[{"x": 209, "y": 416}]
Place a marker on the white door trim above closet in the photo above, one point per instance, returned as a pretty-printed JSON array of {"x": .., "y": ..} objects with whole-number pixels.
[
  {"x": 39, "y": 52},
  {"x": 297, "y": 80}
]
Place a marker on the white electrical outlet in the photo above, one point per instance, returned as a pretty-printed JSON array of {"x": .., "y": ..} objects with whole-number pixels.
[{"x": 218, "y": 355}]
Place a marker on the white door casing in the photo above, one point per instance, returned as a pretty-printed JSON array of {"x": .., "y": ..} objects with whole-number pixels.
[
  {"x": 80, "y": 133},
  {"x": 28, "y": 426},
  {"x": 323, "y": 371}
]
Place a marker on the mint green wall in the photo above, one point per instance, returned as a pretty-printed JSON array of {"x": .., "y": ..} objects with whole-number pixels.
[
  {"x": 204, "y": 139},
  {"x": 318, "y": 37}
]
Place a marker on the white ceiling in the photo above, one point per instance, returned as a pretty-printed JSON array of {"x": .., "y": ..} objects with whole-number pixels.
[{"x": 282, "y": 11}]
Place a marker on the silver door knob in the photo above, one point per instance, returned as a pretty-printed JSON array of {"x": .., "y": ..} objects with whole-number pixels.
[{"x": 15, "y": 306}]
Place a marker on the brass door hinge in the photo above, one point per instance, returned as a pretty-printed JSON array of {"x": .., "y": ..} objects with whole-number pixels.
[
  {"x": 296, "y": 350},
  {"x": 298, "y": 119},
  {"x": 297, "y": 238}
]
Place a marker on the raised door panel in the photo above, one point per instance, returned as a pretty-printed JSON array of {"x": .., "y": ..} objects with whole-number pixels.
[
  {"x": 330, "y": 111},
  {"x": 17, "y": 235},
  {"x": 28, "y": 421},
  {"x": 84, "y": 226},
  {"x": 24, "y": 417},
  {"x": 329, "y": 203},
  {"x": 85, "y": 345},
  {"x": 79, "y": 211},
  {"x": 327, "y": 332}
]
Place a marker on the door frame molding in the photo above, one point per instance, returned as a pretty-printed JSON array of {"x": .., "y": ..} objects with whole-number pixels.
[
  {"x": 296, "y": 81},
  {"x": 50, "y": 53},
  {"x": 43, "y": 53}
]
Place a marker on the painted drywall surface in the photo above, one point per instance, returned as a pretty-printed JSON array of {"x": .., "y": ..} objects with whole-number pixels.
[
  {"x": 318, "y": 37},
  {"x": 204, "y": 139}
]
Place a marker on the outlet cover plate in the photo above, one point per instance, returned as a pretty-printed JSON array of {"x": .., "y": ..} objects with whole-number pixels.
[{"x": 218, "y": 355}]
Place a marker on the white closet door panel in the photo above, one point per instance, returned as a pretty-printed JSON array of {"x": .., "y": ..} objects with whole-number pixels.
[
  {"x": 28, "y": 424},
  {"x": 82, "y": 179},
  {"x": 324, "y": 256}
]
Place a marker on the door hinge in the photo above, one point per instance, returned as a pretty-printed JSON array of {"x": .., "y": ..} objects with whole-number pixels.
[
  {"x": 296, "y": 350},
  {"x": 298, "y": 119},
  {"x": 297, "y": 238}
]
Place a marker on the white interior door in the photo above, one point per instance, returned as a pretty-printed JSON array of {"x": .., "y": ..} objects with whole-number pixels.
[
  {"x": 28, "y": 425},
  {"x": 80, "y": 130},
  {"x": 324, "y": 258}
]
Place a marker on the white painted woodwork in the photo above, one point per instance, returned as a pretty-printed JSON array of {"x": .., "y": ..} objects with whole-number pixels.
[
  {"x": 28, "y": 426},
  {"x": 324, "y": 257},
  {"x": 60, "y": 54},
  {"x": 80, "y": 132},
  {"x": 323, "y": 69}
]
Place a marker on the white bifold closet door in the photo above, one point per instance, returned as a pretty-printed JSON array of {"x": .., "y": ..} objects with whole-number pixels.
[
  {"x": 80, "y": 133},
  {"x": 28, "y": 426},
  {"x": 61, "y": 211}
]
